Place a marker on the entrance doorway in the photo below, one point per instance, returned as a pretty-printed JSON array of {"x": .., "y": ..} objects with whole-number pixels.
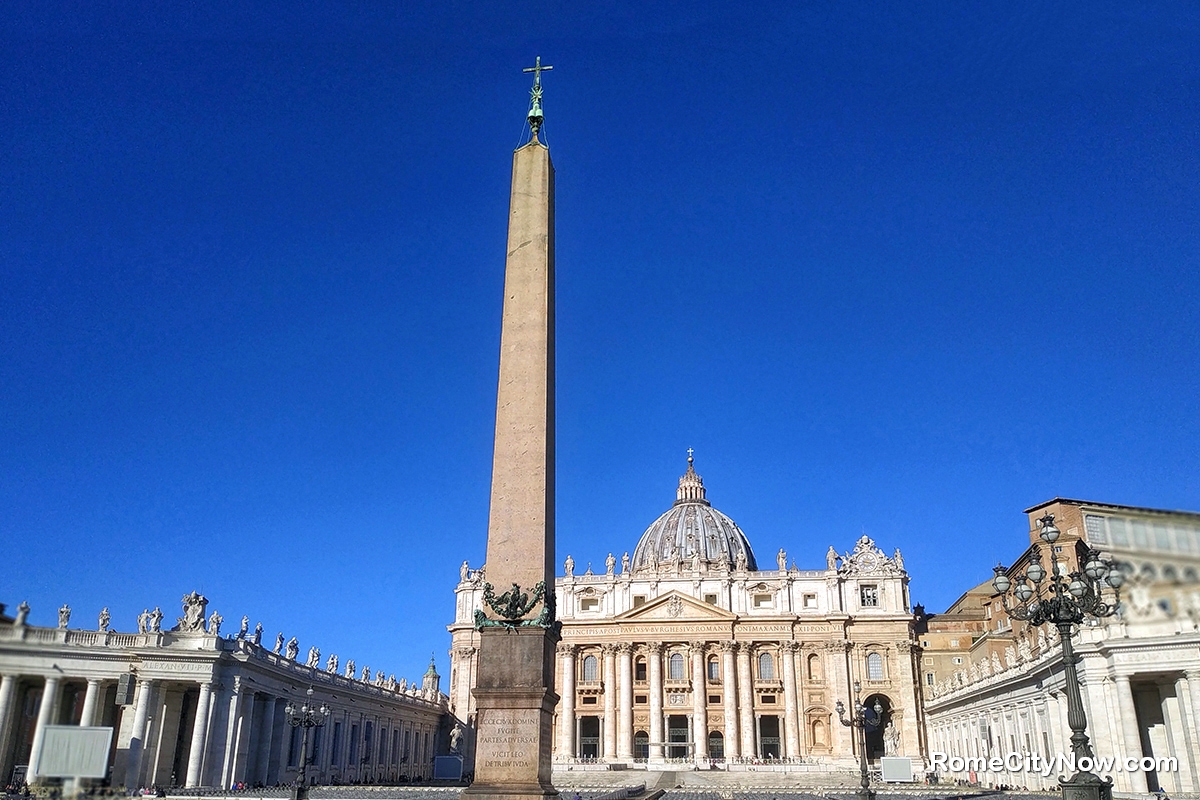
[
  {"x": 589, "y": 737},
  {"x": 768, "y": 737},
  {"x": 876, "y": 724},
  {"x": 677, "y": 736}
]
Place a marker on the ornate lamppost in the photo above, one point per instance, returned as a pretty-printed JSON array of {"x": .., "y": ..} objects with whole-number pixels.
[
  {"x": 307, "y": 717},
  {"x": 860, "y": 720},
  {"x": 1063, "y": 601}
]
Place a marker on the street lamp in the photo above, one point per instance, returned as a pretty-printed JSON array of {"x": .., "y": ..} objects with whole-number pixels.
[
  {"x": 307, "y": 717},
  {"x": 859, "y": 720},
  {"x": 1064, "y": 601}
]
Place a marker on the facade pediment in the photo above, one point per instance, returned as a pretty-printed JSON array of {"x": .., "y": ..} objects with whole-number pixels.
[{"x": 675, "y": 606}]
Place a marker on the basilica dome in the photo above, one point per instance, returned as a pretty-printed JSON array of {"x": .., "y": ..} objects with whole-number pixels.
[{"x": 691, "y": 528}]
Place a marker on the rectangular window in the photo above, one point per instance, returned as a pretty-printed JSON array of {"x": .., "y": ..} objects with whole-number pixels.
[
  {"x": 589, "y": 603},
  {"x": 590, "y": 700},
  {"x": 714, "y": 699},
  {"x": 714, "y": 670},
  {"x": 957, "y": 659},
  {"x": 762, "y": 601},
  {"x": 294, "y": 748},
  {"x": 395, "y": 745},
  {"x": 639, "y": 600},
  {"x": 810, "y": 601},
  {"x": 639, "y": 670},
  {"x": 353, "y": 745},
  {"x": 929, "y": 679},
  {"x": 768, "y": 699},
  {"x": 406, "y": 745},
  {"x": 367, "y": 739},
  {"x": 641, "y": 699},
  {"x": 336, "y": 758},
  {"x": 868, "y": 596},
  {"x": 318, "y": 740},
  {"x": 954, "y": 642},
  {"x": 711, "y": 599}
]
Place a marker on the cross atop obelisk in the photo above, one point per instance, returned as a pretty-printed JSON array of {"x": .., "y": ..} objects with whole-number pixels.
[
  {"x": 514, "y": 686},
  {"x": 535, "y": 116}
]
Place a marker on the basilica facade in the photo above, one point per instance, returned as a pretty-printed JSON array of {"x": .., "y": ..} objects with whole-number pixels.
[{"x": 689, "y": 651}]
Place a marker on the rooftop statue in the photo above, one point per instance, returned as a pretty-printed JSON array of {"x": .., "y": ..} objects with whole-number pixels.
[
  {"x": 22, "y": 613},
  {"x": 156, "y": 618},
  {"x": 214, "y": 624},
  {"x": 64, "y": 615},
  {"x": 104, "y": 619}
]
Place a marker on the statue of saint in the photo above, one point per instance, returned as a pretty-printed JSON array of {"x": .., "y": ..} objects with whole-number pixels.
[
  {"x": 891, "y": 739},
  {"x": 625, "y": 563},
  {"x": 781, "y": 560},
  {"x": 366, "y": 674},
  {"x": 350, "y": 668},
  {"x": 156, "y": 617},
  {"x": 245, "y": 629},
  {"x": 464, "y": 571},
  {"x": 898, "y": 560},
  {"x": 831, "y": 558},
  {"x": 258, "y": 631},
  {"x": 144, "y": 621},
  {"x": 740, "y": 562},
  {"x": 64, "y": 615},
  {"x": 104, "y": 619},
  {"x": 214, "y": 624},
  {"x": 278, "y": 644},
  {"x": 314, "y": 657},
  {"x": 456, "y": 739},
  {"x": 293, "y": 649},
  {"x": 331, "y": 666},
  {"x": 23, "y": 614},
  {"x": 569, "y": 566},
  {"x": 610, "y": 565}
]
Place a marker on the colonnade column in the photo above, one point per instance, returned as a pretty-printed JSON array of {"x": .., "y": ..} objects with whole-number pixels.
[
  {"x": 1189, "y": 726},
  {"x": 199, "y": 734},
  {"x": 566, "y": 736},
  {"x": 745, "y": 700},
  {"x": 45, "y": 714},
  {"x": 791, "y": 730},
  {"x": 91, "y": 699},
  {"x": 262, "y": 755},
  {"x": 137, "y": 736},
  {"x": 1129, "y": 731},
  {"x": 699, "y": 703},
  {"x": 610, "y": 702},
  {"x": 728, "y": 669},
  {"x": 8, "y": 688},
  {"x": 654, "y": 656},
  {"x": 625, "y": 707}
]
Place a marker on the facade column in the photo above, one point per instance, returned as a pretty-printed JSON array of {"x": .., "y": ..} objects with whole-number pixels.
[
  {"x": 625, "y": 703},
  {"x": 610, "y": 702},
  {"x": 791, "y": 730},
  {"x": 199, "y": 731},
  {"x": 1187, "y": 732},
  {"x": 654, "y": 656},
  {"x": 566, "y": 735},
  {"x": 1130, "y": 734},
  {"x": 262, "y": 753},
  {"x": 91, "y": 699},
  {"x": 699, "y": 703},
  {"x": 728, "y": 670},
  {"x": 745, "y": 700},
  {"x": 137, "y": 736},
  {"x": 45, "y": 717}
]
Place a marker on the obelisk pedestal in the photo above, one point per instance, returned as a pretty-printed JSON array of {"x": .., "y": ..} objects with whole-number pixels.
[{"x": 514, "y": 688}]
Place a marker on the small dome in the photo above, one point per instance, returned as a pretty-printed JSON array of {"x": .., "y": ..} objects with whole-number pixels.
[{"x": 692, "y": 525}]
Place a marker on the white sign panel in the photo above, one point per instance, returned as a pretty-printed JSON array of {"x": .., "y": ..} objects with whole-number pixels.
[
  {"x": 71, "y": 751},
  {"x": 896, "y": 769}
]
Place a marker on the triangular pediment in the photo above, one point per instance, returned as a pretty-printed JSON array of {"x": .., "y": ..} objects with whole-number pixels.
[{"x": 675, "y": 607}]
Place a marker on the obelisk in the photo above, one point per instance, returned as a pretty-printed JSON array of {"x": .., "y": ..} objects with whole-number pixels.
[{"x": 514, "y": 689}]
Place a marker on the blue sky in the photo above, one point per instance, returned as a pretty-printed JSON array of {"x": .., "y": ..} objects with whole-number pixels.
[{"x": 896, "y": 269}]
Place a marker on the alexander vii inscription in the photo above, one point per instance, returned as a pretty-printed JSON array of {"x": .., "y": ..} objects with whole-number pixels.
[{"x": 508, "y": 739}]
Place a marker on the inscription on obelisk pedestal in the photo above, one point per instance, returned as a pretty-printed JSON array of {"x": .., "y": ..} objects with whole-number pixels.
[{"x": 514, "y": 686}]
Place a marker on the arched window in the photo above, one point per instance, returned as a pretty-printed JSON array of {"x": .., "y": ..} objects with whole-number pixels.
[
  {"x": 714, "y": 669},
  {"x": 874, "y": 667},
  {"x": 766, "y": 667},
  {"x": 675, "y": 667},
  {"x": 814, "y": 667},
  {"x": 591, "y": 669},
  {"x": 639, "y": 669}
]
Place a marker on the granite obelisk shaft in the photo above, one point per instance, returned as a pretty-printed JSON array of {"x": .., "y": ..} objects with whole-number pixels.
[{"x": 514, "y": 690}]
